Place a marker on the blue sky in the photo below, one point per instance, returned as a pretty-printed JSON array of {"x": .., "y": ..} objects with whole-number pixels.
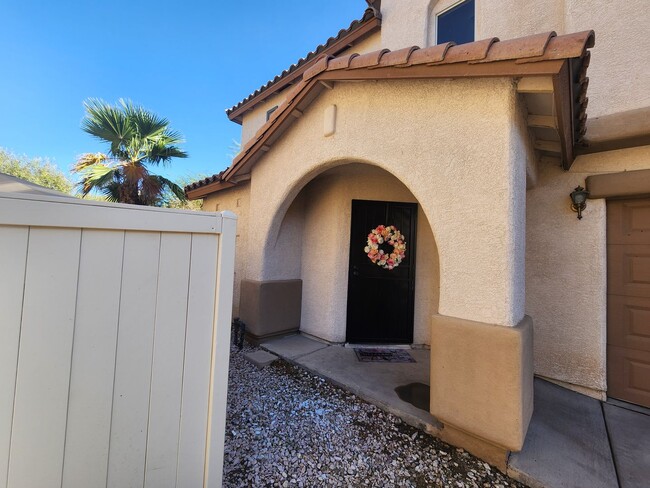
[{"x": 186, "y": 61}]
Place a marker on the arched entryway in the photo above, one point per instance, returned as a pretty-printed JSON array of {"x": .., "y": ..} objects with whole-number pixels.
[{"x": 320, "y": 239}]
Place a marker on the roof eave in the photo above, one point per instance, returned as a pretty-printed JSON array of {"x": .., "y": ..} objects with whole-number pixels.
[
  {"x": 366, "y": 29},
  {"x": 203, "y": 191},
  {"x": 562, "y": 60},
  {"x": 496, "y": 69}
]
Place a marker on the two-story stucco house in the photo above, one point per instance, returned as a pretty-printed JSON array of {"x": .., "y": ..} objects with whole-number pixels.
[{"x": 461, "y": 127}]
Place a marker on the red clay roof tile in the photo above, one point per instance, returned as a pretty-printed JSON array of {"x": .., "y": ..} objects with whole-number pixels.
[
  {"x": 564, "y": 47},
  {"x": 526, "y": 47},
  {"x": 367, "y": 60},
  {"x": 433, "y": 54},
  {"x": 398, "y": 58},
  {"x": 342, "y": 62},
  {"x": 472, "y": 51},
  {"x": 317, "y": 68},
  {"x": 441, "y": 60}
]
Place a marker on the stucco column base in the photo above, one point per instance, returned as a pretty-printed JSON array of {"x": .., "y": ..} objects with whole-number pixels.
[
  {"x": 270, "y": 308},
  {"x": 482, "y": 382},
  {"x": 495, "y": 455}
]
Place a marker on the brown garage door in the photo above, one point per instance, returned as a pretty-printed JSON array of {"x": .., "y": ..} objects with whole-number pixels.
[{"x": 628, "y": 300}]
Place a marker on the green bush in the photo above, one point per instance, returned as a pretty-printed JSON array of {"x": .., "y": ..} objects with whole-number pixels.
[{"x": 36, "y": 170}]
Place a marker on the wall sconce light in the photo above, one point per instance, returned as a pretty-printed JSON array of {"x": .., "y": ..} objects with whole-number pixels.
[{"x": 579, "y": 200}]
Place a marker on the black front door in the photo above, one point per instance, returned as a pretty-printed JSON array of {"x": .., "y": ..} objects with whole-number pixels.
[{"x": 380, "y": 300}]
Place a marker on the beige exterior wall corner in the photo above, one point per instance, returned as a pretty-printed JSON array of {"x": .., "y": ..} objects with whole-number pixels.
[
  {"x": 404, "y": 24},
  {"x": 482, "y": 378},
  {"x": 270, "y": 308},
  {"x": 236, "y": 200}
]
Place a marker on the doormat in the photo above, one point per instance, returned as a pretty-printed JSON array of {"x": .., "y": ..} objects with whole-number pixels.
[{"x": 378, "y": 355}]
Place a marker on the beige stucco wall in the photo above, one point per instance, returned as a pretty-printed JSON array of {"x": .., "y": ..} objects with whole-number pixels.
[
  {"x": 326, "y": 210},
  {"x": 237, "y": 200},
  {"x": 566, "y": 270},
  {"x": 619, "y": 67},
  {"x": 472, "y": 194},
  {"x": 256, "y": 118},
  {"x": 368, "y": 45}
]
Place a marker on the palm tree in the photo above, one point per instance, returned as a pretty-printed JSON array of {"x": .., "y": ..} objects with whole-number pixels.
[{"x": 137, "y": 138}]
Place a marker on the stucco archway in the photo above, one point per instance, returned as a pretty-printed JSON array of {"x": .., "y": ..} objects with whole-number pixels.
[{"x": 309, "y": 240}]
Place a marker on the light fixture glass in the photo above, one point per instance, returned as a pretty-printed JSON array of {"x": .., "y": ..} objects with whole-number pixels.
[{"x": 579, "y": 200}]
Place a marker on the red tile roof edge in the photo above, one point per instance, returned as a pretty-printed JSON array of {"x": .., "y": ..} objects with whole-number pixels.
[
  {"x": 539, "y": 48},
  {"x": 369, "y": 15}
]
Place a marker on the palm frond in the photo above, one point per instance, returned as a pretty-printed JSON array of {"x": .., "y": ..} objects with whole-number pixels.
[
  {"x": 88, "y": 159},
  {"x": 145, "y": 123},
  {"x": 112, "y": 192},
  {"x": 106, "y": 123},
  {"x": 96, "y": 177},
  {"x": 163, "y": 153},
  {"x": 173, "y": 187}
]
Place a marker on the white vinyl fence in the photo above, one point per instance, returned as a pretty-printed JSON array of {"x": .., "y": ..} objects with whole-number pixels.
[{"x": 114, "y": 343}]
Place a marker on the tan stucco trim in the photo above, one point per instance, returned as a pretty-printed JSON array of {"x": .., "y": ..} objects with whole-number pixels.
[
  {"x": 482, "y": 378},
  {"x": 617, "y": 131},
  {"x": 270, "y": 308},
  {"x": 619, "y": 185},
  {"x": 493, "y": 454}
]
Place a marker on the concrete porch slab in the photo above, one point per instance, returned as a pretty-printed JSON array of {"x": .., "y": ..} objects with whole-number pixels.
[
  {"x": 375, "y": 382},
  {"x": 293, "y": 346},
  {"x": 567, "y": 444},
  {"x": 629, "y": 433}
]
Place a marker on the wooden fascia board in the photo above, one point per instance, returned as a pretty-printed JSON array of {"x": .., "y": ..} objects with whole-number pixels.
[
  {"x": 204, "y": 191},
  {"x": 285, "y": 118},
  {"x": 562, "y": 91},
  {"x": 617, "y": 131},
  {"x": 359, "y": 34},
  {"x": 455, "y": 70}
]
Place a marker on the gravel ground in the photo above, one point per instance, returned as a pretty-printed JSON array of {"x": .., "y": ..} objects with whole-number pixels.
[{"x": 286, "y": 427}]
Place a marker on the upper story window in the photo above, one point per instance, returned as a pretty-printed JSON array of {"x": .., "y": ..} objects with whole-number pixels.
[{"x": 456, "y": 24}]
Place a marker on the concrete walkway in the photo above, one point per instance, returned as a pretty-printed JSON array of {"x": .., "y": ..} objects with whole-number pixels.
[{"x": 572, "y": 441}]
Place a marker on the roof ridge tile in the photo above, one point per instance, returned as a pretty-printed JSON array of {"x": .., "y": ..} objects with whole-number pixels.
[
  {"x": 431, "y": 54},
  {"x": 368, "y": 60},
  {"x": 471, "y": 51},
  {"x": 397, "y": 58},
  {"x": 522, "y": 47}
]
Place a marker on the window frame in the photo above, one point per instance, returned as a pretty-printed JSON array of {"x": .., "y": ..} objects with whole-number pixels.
[{"x": 454, "y": 5}]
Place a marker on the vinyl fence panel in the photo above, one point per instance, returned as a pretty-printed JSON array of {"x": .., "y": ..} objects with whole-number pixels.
[
  {"x": 93, "y": 359},
  {"x": 13, "y": 259},
  {"x": 114, "y": 342}
]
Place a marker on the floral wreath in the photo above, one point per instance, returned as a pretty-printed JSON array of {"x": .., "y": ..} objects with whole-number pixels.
[{"x": 393, "y": 237}]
